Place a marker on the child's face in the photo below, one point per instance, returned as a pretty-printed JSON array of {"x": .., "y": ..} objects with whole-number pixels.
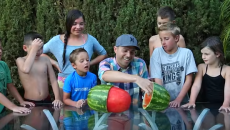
[
  {"x": 208, "y": 56},
  {"x": 28, "y": 48},
  {"x": 161, "y": 21},
  {"x": 34, "y": 45},
  {"x": 82, "y": 63},
  {"x": 168, "y": 41},
  {"x": 78, "y": 26}
]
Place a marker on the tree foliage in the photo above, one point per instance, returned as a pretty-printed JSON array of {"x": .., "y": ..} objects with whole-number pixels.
[
  {"x": 225, "y": 22},
  {"x": 106, "y": 20}
]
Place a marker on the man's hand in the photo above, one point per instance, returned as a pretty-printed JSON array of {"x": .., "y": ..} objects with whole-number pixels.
[{"x": 145, "y": 84}]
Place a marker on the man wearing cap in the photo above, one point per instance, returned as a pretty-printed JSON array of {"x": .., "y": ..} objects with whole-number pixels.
[{"x": 125, "y": 70}]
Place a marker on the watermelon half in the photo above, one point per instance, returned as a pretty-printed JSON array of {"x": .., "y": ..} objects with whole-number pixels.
[
  {"x": 107, "y": 98},
  {"x": 158, "y": 100}
]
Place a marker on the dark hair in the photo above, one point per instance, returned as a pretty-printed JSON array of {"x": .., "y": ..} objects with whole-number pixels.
[
  {"x": 70, "y": 18},
  {"x": 29, "y": 37},
  {"x": 74, "y": 53},
  {"x": 215, "y": 44},
  {"x": 166, "y": 12}
]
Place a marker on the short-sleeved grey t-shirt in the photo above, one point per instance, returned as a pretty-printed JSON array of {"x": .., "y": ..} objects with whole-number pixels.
[{"x": 172, "y": 69}]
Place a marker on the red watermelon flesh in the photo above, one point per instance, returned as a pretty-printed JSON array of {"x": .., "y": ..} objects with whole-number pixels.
[
  {"x": 118, "y": 100},
  {"x": 147, "y": 100}
]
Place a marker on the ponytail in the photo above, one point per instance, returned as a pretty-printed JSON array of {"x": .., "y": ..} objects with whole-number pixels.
[{"x": 66, "y": 36}]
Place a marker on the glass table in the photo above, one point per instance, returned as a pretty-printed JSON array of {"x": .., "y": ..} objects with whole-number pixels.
[{"x": 44, "y": 117}]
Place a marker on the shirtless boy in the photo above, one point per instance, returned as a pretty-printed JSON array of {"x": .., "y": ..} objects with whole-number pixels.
[
  {"x": 164, "y": 15},
  {"x": 34, "y": 71},
  {"x": 6, "y": 84}
]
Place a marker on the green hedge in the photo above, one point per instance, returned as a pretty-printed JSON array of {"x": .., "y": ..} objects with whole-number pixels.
[{"x": 106, "y": 20}]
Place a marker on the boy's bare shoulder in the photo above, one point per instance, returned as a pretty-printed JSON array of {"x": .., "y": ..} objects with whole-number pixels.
[
  {"x": 181, "y": 37},
  {"x": 153, "y": 38},
  {"x": 44, "y": 59},
  {"x": 154, "y": 42},
  {"x": 181, "y": 42},
  {"x": 19, "y": 59}
]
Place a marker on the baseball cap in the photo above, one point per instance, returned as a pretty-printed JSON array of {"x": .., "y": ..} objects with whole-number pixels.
[{"x": 127, "y": 40}]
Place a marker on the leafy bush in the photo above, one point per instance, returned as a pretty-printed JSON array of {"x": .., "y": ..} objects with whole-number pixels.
[
  {"x": 225, "y": 22},
  {"x": 106, "y": 20}
]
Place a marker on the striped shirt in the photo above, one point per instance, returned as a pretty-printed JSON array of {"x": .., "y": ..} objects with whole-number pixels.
[{"x": 136, "y": 67}]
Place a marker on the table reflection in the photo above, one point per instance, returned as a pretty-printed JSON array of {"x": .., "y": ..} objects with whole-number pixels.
[
  {"x": 204, "y": 117},
  {"x": 77, "y": 119}
]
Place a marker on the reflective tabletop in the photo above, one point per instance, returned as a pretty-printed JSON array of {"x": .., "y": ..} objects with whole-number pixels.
[{"x": 44, "y": 117}]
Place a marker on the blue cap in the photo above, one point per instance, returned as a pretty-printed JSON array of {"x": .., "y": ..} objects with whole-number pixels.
[{"x": 127, "y": 40}]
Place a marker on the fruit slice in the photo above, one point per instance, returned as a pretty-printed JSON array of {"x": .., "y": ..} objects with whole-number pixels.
[
  {"x": 158, "y": 100},
  {"x": 107, "y": 98}
]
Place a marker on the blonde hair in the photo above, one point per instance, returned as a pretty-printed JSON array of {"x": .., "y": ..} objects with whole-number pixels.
[{"x": 173, "y": 28}]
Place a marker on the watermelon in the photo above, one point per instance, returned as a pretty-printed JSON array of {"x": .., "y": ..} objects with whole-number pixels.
[
  {"x": 158, "y": 100},
  {"x": 161, "y": 121},
  {"x": 107, "y": 98},
  {"x": 91, "y": 122}
]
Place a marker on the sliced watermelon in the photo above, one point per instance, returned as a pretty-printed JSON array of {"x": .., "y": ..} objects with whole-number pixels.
[
  {"x": 107, "y": 98},
  {"x": 158, "y": 100}
]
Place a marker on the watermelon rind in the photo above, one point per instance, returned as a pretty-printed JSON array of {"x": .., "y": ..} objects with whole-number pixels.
[
  {"x": 160, "y": 99},
  {"x": 97, "y": 98}
]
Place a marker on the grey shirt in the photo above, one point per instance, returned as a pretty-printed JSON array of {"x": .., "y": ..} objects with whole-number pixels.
[{"x": 172, "y": 69}]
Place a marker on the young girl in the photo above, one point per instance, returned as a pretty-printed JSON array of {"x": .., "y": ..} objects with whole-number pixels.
[
  {"x": 78, "y": 84},
  {"x": 62, "y": 45},
  {"x": 212, "y": 75}
]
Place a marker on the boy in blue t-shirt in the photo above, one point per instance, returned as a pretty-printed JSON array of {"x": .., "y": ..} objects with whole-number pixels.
[{"x": 77, "y": 85}]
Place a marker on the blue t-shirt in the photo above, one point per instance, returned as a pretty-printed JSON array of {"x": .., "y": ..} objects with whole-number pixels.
[
  {"x": 79, "y": 86},
  {"x": 74, "y": 121},
  {"x": 56, "y": 47}
]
